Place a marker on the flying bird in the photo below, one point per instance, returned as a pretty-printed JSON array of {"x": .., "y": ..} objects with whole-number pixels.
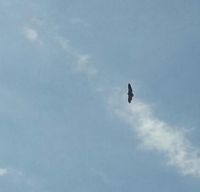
[{"x": 130, "y": 93}]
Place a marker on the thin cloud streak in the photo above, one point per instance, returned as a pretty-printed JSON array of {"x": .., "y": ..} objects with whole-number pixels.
[
  {"x": 82, "y": 63},
  {"x": 157, "y": 135}
]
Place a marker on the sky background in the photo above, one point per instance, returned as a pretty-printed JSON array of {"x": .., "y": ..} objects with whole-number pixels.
[{"x": 65, "y": 123}]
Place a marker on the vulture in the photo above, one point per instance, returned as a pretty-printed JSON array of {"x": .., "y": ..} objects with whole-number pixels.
[{"x": 130, "y": 93}]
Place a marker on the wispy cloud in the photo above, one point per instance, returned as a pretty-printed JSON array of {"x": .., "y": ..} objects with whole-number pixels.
[
  {"x": 11, "y": 172},
  {"x": 100, "y": 175},
  {"x": 81, "y": 62},
  {"x": 79, "y": 21},
  {"x": 84, "y": 65},
  {"x": 3, "y": 171},
  {"x": 157, "y": 135},
  {"x": 16, "y": 178},
  {"x": 32, "y": 35}
]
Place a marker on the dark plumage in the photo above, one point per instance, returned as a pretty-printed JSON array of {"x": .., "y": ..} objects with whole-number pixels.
[{"x": 130, "y": 93}]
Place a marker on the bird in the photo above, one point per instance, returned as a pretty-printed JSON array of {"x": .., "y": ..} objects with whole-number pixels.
[{"x": 130, "y": 93}]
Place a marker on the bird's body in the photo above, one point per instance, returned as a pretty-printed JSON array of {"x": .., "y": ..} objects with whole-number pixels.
[{"x": 130, "y": 93}]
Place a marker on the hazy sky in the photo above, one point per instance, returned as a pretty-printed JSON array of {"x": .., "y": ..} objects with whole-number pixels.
[{"x": 65, "y": 123}]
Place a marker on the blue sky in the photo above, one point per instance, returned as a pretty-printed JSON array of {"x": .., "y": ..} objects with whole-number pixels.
[{"x": 65, "y": 124}]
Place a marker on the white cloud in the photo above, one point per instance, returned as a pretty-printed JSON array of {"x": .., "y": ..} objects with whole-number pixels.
[
  {"x": 3, "y": 171},
  {"x": 155, "y": 134}
]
